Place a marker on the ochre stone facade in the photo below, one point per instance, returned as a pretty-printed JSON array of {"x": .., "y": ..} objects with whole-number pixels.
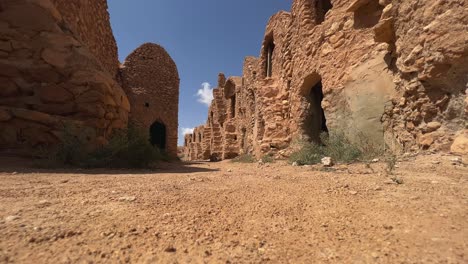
[
  {"x": 59, "y": 66},
  {"x": 151, "y": 81},
  {"x": 393, "y": 71}
]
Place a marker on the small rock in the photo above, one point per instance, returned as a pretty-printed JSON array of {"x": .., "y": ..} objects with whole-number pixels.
[
  {"x": 375, "y": 160},
  {"x": 377, "y": 188},
  {"x": 127, "y": 199},
  {"x": 229, "y": 170},
  {"x": 295, "y": 164},
  {"x": 44, "y": 203},
  {"x": 436, "y": 162},
  {"x": 11, "y": 218},
  {"x": 388, "y": 227},
  {"x": 397, "y": 180},
  {"x": 456, "y": 161},
  {"x": 170, "y": 249},
  {"x": 353, "y": 192},
  {"x": 431, "y": 127},
  {"x": 327, "y": 162}
]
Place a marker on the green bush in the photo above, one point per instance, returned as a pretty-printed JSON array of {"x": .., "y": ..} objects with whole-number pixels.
[
  {"x": 337, "y": 146},
  {"x": 129, "y": 148},
  {"x": 244, "y": 158}
]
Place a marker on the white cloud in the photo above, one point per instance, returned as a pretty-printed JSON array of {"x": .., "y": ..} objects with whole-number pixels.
[
  {"x": 186, "y": 131},
  {"x": 205, "y": 94}
]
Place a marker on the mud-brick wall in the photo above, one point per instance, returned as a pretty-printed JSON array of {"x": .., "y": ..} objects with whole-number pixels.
[
  {"x": 151, "y": 80},
  {"x": 50, "y": 78},
  {"x": 89, "y": 20}
]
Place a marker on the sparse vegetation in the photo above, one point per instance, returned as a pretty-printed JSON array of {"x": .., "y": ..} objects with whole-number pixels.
[
  {"x": 268, "y": 159},
  {"x": 245, "y": 158},
  {"x": 337, "y": 146},
  {"x": 391, "y": 160},
  {"x": 128, "y": 148}
]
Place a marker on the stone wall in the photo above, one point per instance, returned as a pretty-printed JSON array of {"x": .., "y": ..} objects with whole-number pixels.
[
  {"x": 50, "y": 78},
  {"x": 151, "y": 81},
  {"x": 392, "y": 71},
  {"x": 89, "y": 21}
]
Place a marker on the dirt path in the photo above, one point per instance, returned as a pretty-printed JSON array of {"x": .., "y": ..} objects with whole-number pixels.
[{"x": 237, "y": 213}]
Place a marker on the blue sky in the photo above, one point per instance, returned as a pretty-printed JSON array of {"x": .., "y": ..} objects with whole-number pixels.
[{"x": 204, "y": 37}]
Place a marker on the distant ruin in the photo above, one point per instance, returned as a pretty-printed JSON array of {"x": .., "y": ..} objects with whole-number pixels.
[
  {"x": 59, "y": 66},
  {"x": 362, "y": 66}
]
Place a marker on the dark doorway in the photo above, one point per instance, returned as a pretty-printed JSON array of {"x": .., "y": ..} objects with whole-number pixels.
[
  {"x": 158, "y": 135},
  {"x": 315, "y": 122},
  {"x": 322, "y": 7}
]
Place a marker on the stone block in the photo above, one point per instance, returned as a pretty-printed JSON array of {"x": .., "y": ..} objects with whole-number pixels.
[
  {"x": 34, "y": 116},
  {"x": 54, "y": 94}
]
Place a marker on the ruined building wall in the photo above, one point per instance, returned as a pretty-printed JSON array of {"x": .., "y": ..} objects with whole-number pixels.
[
  {"x": 365, "y": 67},
  {"x": 151, "y": 81},
  {"x": 89, "y": 21},
  {"x": 340, "y": 58},
  {"x": 49, "y": 78}
]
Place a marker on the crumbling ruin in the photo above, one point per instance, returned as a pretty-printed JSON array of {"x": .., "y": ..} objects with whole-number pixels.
[
  {"x": 59, "y": 66},
  {"x": 362, "y": 66}
]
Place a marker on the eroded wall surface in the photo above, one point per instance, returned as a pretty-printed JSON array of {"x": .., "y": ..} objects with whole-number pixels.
[
  {"x": 89, "y": 21},
  {"x": 50, "y": 77},
  {"x": 394, "y": 71}
]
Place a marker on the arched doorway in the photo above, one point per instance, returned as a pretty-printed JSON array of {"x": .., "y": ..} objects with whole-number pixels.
[
  {"x": 315, "y": 122},
  {"x": 158, "y": 135}
]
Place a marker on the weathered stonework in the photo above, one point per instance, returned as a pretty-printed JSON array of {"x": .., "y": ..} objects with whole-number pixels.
[
  {"x": 89, "y": 21},
  {"x": 151, "y": 81},
  {"x": 59, "y": 67},
  {"x": 366, "y": 67}
]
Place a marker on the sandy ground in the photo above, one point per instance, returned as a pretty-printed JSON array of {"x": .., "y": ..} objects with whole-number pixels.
[{"x": 236, "y": 213}]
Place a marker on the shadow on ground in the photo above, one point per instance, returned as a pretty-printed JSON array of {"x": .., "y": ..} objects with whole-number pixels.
[{"x": 22, "y": 165}]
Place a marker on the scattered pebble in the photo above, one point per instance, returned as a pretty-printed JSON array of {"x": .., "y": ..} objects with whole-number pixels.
[
  {"x": 170, "y": 249},
  {"x": 375, "y": 160},
  {"x": 327, "y": 162},
  {"x": 353, "y": 192},
  {"x": 295, "y": 164},
  {"x": 127, "y": 199},
  {"x": 456, "y": 161},
  {"x": 44, "y": 203},
  {"x": 11, "y": 218},
  {"x": 229, "y": 170}
]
